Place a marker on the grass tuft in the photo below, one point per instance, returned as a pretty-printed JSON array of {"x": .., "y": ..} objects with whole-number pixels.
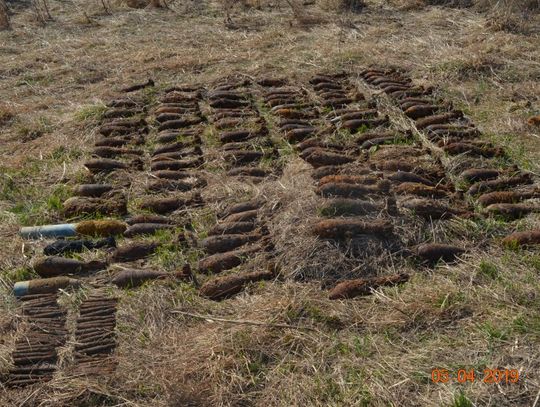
[
  {"x": 93, "y": 113},
  {"x": 461, "y": 400}
]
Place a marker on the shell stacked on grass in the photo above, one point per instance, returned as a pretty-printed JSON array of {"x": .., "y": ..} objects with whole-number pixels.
[
  {"x": 498, "y": 188},
  {"x": 357, "y": 204},
  {"x": 117, "y": 157},
  {"x": 174, "y": 179},
  {"x": 36, "y": 352},
  {"x": 383, "y": 187},
  {"x": 242, "y": 133},
  {"x": 95, "y": 337},
  {"x": 294, "y": 112},
  {"x": 246, "y": 152},
  {"x": 237, "y": 237}
]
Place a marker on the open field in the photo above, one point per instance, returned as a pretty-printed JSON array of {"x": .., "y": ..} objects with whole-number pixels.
[{"x": 281, "y": 340}]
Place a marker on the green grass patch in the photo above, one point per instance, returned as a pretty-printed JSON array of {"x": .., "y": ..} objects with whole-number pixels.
[
  {"x": 20, "y": 274},
  {"x": 31, "y": 206},
  {"x": 493, "y": 332},
  {"x": 90, "y": 113},
  {"x": 516, "y": 151},
  {"x": 461, "y": 400},
  {"x": 488, "y": 269},
  {"x": 202, "y": 220},
  {"x": 35, "y": 79},
  {"x": 170, "y": 257},
  {"x": 527, "y": 325},
  {"x": 33, "y": 130},
  {"x": 62, "y": 154}
]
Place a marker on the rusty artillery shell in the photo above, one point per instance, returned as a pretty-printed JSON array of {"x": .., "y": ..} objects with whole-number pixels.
[
  {"x": 322, "y": 158},
  {"x": 349, "y": 228},
  {"x": 219, "y": 262},
  {"x": 76, "y": 206},
  {"x": 134, "y": 251},
  {"x": 145, "y": 229},
  {"x": 405, "y": 176},
  {"x": 244, "y": 216},
  {"x": 55, "y": 266},
  {"x": 433, "y": 252},
  {"x": 248, "y": 171},
  {"x": 348, "y": 207},
  {"x": 166, "y": 205},
  {"x": 223, "y": 287},
  {"x": 135, "y": 278},
  {"x": 232, "y": 228},
  {"x": 354, "y": 288},
  {"x": 105, "y": 164},
  {"x": 45, "y": 285},
  {"x": 92, "y": 190},
  {"x": 224, "y": 243},
  {"x": 100, "y": 228},
  {"x": 511, "y": 211},
  {"x": 429, "y": 209},
  {"x": 527, "y": 238},
  {"x": 148, "y": 218}
]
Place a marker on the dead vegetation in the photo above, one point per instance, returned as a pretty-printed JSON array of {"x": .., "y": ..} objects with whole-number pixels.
[
  {"x": 4, "y": 16},
  {"x": 41, "y": 10},
  {"x": 505, "y": 15},
  {"x": 303, "y": 348},
  {"x": 354, "y": 6}
]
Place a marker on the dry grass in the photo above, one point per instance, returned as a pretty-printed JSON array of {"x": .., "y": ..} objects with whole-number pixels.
[
  {"x": 372, "y": 351},
  {"x": 505, "y": 15},
  {"x": 355, "y": 6},
  {"x": 516, "y": 6},
  {"x": 4, "y": 16}
]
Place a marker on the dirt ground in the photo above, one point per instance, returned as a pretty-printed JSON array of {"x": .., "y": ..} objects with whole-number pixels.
[{"x": 304, "y": 349}]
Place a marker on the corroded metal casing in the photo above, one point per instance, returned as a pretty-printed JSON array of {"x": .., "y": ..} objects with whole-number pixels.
[{"x": 43, "y": 286}]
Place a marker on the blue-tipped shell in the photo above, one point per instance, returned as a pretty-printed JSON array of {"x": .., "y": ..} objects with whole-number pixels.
[
  {"x": 21, "y": 288},
  {"x": 37, "y": 232}
]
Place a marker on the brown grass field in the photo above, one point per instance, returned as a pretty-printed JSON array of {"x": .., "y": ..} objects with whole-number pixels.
[{"x": 280, "y": 342}]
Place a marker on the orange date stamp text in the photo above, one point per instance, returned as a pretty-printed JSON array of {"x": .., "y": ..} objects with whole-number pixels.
[{"x": 493, "y": 376}]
